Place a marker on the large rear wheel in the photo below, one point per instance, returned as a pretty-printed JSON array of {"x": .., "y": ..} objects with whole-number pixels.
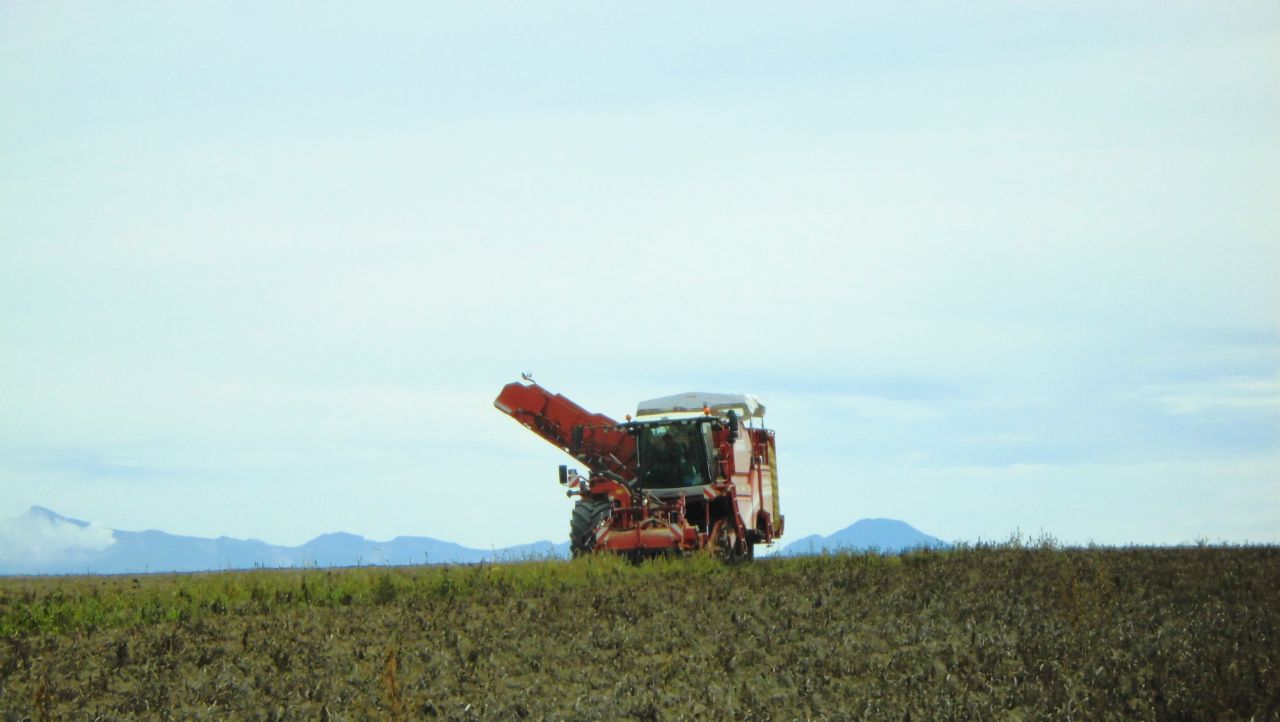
[{"x": 588, "y": 515}]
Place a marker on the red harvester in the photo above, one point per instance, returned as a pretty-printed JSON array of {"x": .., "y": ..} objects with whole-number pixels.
[{"x": 690, "y": 472}]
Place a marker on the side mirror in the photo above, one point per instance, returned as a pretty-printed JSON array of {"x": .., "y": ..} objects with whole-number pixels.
[
  {"x": 733, "y": 426},
  {"x": 572, "y": 479}
]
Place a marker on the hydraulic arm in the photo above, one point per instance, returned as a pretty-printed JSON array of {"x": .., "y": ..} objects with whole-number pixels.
[{"x": 592, "y": 439}]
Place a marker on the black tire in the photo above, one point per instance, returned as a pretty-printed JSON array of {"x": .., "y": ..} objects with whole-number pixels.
[{"x": 588, "y": 514}]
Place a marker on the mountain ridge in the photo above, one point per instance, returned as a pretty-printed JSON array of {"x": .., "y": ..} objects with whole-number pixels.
[
  {"x": 43, "y": 542},
  {"x": 889, "y": 536}
]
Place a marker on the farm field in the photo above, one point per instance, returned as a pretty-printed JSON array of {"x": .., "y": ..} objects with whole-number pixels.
[{"x": 1002, "y": 632}]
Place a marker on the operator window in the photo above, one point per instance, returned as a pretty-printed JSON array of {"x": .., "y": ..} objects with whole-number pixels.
[{"x": 672, "y": 456}]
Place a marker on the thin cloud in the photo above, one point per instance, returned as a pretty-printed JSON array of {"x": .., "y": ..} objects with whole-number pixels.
[
  {"x": 1231, "y": 393},
  {"x": 37, "y": 537}
]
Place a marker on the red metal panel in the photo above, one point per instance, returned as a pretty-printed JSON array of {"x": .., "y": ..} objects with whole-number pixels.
[
  {"x": 654, "y": 536},
  {"x": 553, "y": 417}
]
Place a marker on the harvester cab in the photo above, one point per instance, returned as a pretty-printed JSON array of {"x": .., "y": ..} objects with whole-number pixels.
[{"x": 689, "y": 472}]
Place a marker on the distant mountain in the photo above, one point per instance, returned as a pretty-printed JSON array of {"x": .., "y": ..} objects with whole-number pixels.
[
  {"x": 45, "y": 542},
  {"x": 888, "y": 536}
]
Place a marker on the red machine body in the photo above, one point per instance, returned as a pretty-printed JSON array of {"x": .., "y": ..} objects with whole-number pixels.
[{"x": 687, "y": 474}]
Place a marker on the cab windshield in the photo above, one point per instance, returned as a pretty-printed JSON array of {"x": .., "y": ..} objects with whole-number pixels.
[{"x": 672, "y": 455}]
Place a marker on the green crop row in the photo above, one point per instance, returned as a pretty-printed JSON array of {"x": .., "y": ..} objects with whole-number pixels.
[{"x": 54, "y": 605}]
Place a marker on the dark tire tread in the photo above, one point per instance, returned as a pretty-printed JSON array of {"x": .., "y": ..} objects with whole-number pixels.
[{"x": 587, "y": 515}]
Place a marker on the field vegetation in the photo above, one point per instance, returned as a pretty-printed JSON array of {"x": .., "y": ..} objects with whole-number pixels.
[{"x": 1000, "y": 632}]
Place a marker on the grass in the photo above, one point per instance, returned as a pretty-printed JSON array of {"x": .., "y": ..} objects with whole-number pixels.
[{"x": 988, "y": 632}]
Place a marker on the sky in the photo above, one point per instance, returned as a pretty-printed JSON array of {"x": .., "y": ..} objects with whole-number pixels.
[{"x": 993, "y": 267}]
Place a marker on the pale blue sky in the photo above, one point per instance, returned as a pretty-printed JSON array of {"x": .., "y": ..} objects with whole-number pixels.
[{"x": 997, "y": 266}]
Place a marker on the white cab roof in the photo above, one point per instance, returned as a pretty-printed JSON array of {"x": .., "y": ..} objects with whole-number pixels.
[{"x": 745, "y": 405}]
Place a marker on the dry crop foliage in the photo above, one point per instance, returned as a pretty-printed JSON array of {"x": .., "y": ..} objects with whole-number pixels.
[{"x": 988, "y": 632}]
